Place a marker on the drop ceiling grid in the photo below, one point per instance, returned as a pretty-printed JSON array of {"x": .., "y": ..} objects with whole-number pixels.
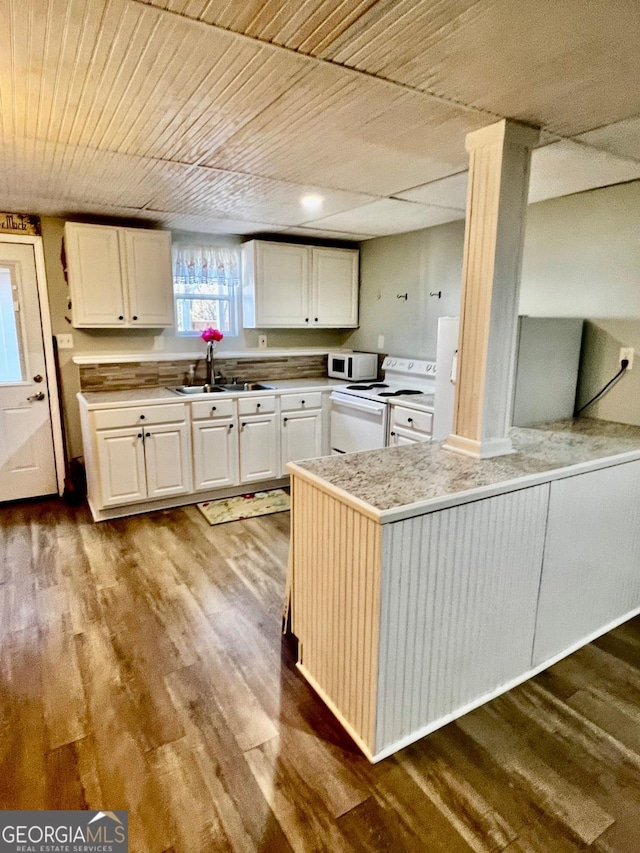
[
  {"x": 213, "y": 191},
  {"x": 308, "y": 25}
]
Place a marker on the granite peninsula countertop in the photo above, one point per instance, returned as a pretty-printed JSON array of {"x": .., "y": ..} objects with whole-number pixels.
[{"x": 400, "y": 482}]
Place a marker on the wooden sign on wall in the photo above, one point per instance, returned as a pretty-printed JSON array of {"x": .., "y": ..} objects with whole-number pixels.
[{"x": 19, "y": 223}]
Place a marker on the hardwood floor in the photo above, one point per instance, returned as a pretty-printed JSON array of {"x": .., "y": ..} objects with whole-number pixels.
[{"x": 142, "y": 668}]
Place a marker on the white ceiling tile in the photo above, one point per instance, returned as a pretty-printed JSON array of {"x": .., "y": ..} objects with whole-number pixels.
[
  {"x": 447, "y": 192},
  {"x": 568, "y": 167},
  {"x": 622, "y": 138},
  {"x": 327, "y": 234},
  {"x": 202, "y": 224},
  {"x": 388, "y": 216}
]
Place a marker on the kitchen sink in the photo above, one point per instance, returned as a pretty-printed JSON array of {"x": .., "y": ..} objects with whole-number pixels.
[
  {"x": 199, "y": 389},
  {"x": 220, "y": 389},
  {"x": 248, "y": 386}
]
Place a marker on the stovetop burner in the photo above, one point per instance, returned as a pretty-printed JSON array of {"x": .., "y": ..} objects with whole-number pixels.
[
  {"x": 366, "y": 387},
  {"x": 400, "y": 392}
]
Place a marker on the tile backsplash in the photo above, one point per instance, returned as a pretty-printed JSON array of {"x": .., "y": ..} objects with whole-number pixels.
[{"x": 152, "y": 374}]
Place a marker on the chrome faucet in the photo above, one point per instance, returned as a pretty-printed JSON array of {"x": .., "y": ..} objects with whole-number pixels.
[{"x": 212, "y": 377}]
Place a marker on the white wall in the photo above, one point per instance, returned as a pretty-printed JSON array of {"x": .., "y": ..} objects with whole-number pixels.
[{"x": 581, "y": 259}]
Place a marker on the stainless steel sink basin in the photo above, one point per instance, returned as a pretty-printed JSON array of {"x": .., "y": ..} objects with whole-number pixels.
[
  {"x": 248, "y": 386},
  {"x": 220, "y": 389},
  {"x": 199, "y": 389}
]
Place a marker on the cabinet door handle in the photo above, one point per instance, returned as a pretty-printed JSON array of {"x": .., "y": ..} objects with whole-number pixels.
[
  {"x": 306, "y": 319},
  {"x": 284, "y": 420},
  {"x": 121, "y": 317},
  {"x": 393, "y": 433},
  {"x": 134, "y": 317},
  {"x": 315, "y": 319},
  {"x": 140, "y": 435},
  {"x": 243, "y": 425},
  {"x": 147, "y": 435},
  {"x": 230, "y": 426}
]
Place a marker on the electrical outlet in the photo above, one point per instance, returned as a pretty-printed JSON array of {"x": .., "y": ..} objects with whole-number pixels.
[
  {"x": 262, "y": 341},
  {"x": 65, "y": 341},
  {"x": 627, "y": 352},
  {"x": 380, "y": 341}
]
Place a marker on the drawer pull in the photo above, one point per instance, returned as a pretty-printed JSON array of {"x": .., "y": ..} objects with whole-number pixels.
[
  {"x": 302, "y": 402},
  {"x": 257, "y": 405},
  {"x": 142, "y": 417},
  {"x": 409, "y": 420},
  {"x": 393, "y": 433},
  {"x": 213, "y": 408}
]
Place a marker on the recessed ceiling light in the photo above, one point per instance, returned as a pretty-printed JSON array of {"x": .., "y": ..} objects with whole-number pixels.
[{"x": 311, "y": 202}]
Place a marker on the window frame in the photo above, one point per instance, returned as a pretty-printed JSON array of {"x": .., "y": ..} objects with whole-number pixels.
[{"x": 231, "y": 298}]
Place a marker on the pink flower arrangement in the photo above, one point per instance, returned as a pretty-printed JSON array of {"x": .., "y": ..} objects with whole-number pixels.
[{"x": 211, "y": 334}]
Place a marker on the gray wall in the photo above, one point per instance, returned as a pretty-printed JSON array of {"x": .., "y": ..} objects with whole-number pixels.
[{"x": 581, "y": 259}]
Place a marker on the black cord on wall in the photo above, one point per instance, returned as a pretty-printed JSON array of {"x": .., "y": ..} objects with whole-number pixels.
[{"x": 623, "y": 366}]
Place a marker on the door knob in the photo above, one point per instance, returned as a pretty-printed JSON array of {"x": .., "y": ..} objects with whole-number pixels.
[
  {"x": 38, "y": 396},
  {"x": 37, "y": 378}
]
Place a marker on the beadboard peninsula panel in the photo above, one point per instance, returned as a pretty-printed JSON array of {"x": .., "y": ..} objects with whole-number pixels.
[
  {"x": 458, "y": 605},
  {"x": 591, "y": 570},
  {"x": 335, "y": 612}
]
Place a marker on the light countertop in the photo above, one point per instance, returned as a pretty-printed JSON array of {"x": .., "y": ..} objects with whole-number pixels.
[
  {"x": 403, "y": 481},
  {"x": 136, "y": 396}
]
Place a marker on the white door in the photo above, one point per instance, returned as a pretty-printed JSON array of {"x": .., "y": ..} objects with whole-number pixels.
[
  {"x": 121, "y": 465},
  {"x": 258, "y": 449},
  {"x": 335, "y": 287},
  {"x": 149, "y": 277},
  {"x": 282, "y": 285},
  {"x": 215, "y": 454},
  {"x": 166, "y": 450},
  {"x": 301, "y": 437},
  {"x": 27, "y": 462}
]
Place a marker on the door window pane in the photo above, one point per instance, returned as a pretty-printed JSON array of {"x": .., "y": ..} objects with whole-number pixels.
[{"x": 10, "y": 355}]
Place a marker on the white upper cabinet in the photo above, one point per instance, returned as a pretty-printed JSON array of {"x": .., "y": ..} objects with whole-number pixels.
[
  {"x": 119, "y": 277},
  {"x": 292, "y": 286},
  {"x": 334, "y": 292}
]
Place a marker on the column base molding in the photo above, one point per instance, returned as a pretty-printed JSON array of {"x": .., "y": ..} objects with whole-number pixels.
[{"x": 485, "y": 449}]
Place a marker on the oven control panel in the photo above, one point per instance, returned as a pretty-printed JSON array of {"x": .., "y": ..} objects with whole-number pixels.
[{"x": 410, "y": 367}]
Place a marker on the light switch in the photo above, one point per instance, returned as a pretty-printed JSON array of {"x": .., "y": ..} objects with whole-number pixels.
[
  {"x": 65, "y": 341},
  {"x": 380, "y": 341}
]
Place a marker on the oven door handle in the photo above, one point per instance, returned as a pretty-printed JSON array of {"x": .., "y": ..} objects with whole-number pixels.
[{"x": 375, "y": 409}]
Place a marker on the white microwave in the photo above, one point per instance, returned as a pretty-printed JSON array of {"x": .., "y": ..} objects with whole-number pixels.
[{"x": 355, "y": 366}]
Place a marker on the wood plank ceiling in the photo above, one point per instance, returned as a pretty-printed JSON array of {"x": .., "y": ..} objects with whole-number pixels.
[{"x": 218, "y": 116}]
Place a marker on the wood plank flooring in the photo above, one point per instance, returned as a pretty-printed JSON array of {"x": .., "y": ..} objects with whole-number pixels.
[{"x": 142, "y": 668}]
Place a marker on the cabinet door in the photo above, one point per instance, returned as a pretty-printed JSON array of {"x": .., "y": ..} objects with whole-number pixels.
[
  {"x": 166, "y": 451},
  {"x": 149, "y": 277},
  {"x": 121, "y": 466},
  {"x": 300, "y": 437},
  {"x": 335, "y": 287},
  {"x": 398, "y": 438},
  {"x": 258, "y": 449},
  {"x": 215, "y": 454},
  {"x": 95, "y": 276},
  {"x": 281, "y": 285}
]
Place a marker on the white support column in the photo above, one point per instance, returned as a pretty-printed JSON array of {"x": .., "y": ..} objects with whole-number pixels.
[{"x": 500, "y": 156}]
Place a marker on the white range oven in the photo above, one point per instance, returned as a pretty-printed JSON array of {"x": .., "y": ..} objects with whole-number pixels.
[{"x": 359, "y": 412}]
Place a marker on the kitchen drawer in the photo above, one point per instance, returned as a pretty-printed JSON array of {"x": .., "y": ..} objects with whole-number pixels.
[
  {"x": 411, "y": 418},
  {"x": 294, "y": 402},
  {"x": 256, "y": 405},
  {"x": 135, "y": 416},
  {"x": 213, "y": 408}
]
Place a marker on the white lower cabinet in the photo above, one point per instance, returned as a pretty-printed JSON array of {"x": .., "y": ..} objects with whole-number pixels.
[
  {"x": 258, "y": 448},
  {"x": 122, "y": 466},
  {"x": 215, "y": 454},
  {"x": 143, "y": 463},
  {"x": 408, "y": 426},
  {"x": 300, "y": 437}
]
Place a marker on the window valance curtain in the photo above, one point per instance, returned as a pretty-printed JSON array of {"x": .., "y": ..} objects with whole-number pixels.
[{"x": 206, "y": 269}]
